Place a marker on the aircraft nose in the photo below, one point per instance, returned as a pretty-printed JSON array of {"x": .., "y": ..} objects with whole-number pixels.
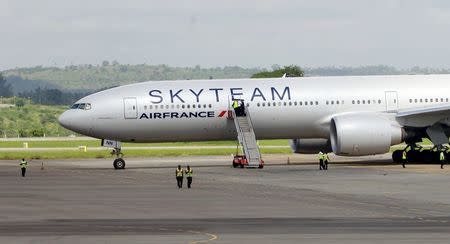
[
  {"x": 77, "y": 123},
  {"x": 64, "y": 120}
]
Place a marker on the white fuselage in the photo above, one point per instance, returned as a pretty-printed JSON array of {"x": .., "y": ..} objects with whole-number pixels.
[{"x": 282, "y": 108}]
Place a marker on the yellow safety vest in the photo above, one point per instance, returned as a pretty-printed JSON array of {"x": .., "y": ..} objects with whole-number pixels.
[
  {"x": 179, "y": 172},
  {"x": 235, "y": 104},
  {"x": 189, "y": 173},
  {"x": 320, "y": 156},
  {"x": 325, "y": 157},
  {"x": 442, "y": 156},
  {"x": 23, "y": 164},
  {"x": 404, "y": 155}
]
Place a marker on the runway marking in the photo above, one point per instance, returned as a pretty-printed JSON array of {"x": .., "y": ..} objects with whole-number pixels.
[{"x": 212, "y": 237}]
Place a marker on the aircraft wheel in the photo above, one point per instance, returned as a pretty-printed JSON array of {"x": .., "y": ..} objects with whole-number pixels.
[
  {"x": 397, "y": 156},
  {"x": 119, "y": 163},
  {"x": 261, "y": 166}
]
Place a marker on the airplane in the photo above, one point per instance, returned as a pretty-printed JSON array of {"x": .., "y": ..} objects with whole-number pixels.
[{"x": 347, "y": 115}]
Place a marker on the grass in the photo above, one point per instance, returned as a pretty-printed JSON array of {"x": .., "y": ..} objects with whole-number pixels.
[
  {"x": 131, "y": 153},
  {"x": 96, "y": 143}
]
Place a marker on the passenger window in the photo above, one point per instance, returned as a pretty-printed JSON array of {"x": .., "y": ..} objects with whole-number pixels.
[
  {"x": 182, "y": 106},
  {"x": 337, "y": 102},
  {"x": 204, "y": 105},
  {"x": 359, "y": 102},
  {"x": 274, "y": 104},
  {"x": 210, "y": 106},
  {"x": 368, "y": 101},
  {"x": 258, "y": 104},
  {"x": 290, "y": 103},
  {"x": 317, "y": 103},
  {"x": 295, "y": 103},
  {"x": 415, "y": 100},
  {"x": 268, "y": 104},
  {"x": 353, "y": 101},
  {"x": 327, "y": 102},
  {"x": 379, "y": 101},
  {"x": 263, "y": 104},
  {"x": 300, "y": 103},
  {"x": 248, "y": 105}
]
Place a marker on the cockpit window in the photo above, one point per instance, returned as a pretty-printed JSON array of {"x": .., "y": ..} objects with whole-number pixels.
[{"x": 83, "y": 106}]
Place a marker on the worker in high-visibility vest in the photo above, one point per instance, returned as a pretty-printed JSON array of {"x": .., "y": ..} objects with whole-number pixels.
[
  {"x": 23, "y": 166},
  {"x": 442, "y": 159},
  {"x": 179, "y": 174},
  {"x": 325, "y": 161},
  {"x": 189, "y": 173},
  {"x": 320, "y": 156},
  {"x": 404, "y": 158},
  {"x": 235, "y": 106}
]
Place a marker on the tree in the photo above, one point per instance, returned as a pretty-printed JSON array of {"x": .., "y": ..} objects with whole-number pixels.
[
  {"x": 290, "y": 71},
  {"x": 5, "y": 88},
  {"x": 105, "y": 63}
]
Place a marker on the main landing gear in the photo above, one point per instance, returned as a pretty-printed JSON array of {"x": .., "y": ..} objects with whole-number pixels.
[
  {"x": 118, "y": 163},
  {"x": 418, "y": 154}
]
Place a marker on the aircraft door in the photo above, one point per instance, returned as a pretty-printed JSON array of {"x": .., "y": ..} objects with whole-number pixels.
[
  {"x": 130, "y": 108},
  {"x": 391, "y": 101}
]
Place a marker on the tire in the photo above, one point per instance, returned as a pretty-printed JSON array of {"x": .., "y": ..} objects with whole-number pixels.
[
  {"x": 415, "y": 156},
  {"x": 119, "y": 164},
  {"x": 261, "y": 166},
  {"x": 397, "y": 156},
  {"x": 235, "y": 165}
]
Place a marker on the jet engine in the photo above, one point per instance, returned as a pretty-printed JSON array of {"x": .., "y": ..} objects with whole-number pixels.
[
  {"x": 310, "y": 146},
  {"x": 363, "y": 134}
]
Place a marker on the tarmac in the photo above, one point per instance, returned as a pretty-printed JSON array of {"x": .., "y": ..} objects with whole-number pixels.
[{"x": 358, "y": 200}]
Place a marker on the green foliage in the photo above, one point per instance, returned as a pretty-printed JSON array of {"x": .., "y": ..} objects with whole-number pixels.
[
  {"x": 94, "y": 77},
  {"x": 20, "y": 102},
  {"x": 290, "y": 71},
  {"x": 31, "y": 121},
  {"x": 5, "y": 88}
]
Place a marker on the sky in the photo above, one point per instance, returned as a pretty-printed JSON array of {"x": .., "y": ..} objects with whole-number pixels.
[{"x": 209, "y": 33}]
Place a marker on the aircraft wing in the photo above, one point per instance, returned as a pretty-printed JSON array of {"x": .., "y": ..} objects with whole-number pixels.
[{"x": 425, "y": 116}]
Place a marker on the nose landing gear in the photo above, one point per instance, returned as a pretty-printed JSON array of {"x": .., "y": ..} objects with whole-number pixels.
[{"x": 118, "y": 163}]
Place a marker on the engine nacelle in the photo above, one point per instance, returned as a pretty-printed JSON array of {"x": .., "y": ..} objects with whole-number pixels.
[
  {"x": 363, "y": 134},
  {"x": 310, "y": 146}
]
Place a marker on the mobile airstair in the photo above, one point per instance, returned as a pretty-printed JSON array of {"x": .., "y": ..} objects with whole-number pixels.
[{"x": 247, "y": 139}]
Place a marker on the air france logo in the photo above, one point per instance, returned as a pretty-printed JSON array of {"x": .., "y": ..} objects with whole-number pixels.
[{"x": 182, "y": 115}]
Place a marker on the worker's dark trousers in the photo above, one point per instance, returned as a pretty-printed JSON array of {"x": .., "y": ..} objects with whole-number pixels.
[
  {"x": 321, "y": 164},
  {"x": 180, "y": 182},
  {"x": 325, "y": 165},
  {"x": 405, "y": 161},
  {"x": 189, "y": 181},
  {"x": 24, "y": 170},
  {"x": 442, "y": 164}
]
